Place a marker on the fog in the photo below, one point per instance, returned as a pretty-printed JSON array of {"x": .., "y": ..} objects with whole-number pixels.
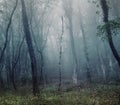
[{"x": 60, "y": 42}]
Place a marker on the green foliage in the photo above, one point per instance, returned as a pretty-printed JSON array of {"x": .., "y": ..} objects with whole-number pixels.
[
  {"x": 114, "y": 26},
  {"x": 100, "y": 95}
]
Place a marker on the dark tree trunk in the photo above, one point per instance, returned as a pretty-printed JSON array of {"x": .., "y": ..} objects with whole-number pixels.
[
  {"x": 60, "y": 57},
  {"x": 13, "y": 79},
  {"x": 30, "y": 49},
  {"x": 41, "y": 68},
  {"x": 105, "y": 9},
  {"x": 8, "y": 65},
  {"x": 2, "y": 85}
]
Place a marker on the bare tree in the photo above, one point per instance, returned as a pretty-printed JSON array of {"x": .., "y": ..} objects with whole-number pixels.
[
  {"x": 85, "y": 49},
  {"x": 60, "y": 56},
  {"x": 6, "y": 38},
  {"x": 30, "y": 48},
  {"x": 68, "y": 12},
  {"x": 40, "y": 30}
]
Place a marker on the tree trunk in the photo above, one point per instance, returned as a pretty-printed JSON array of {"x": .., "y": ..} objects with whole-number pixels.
[
  {"x": 30, "y": 48},
  {"x": 85, "y": 50},
  {"x": 60, "y": 57},
  {"x": 75, "y": 77},
  {"x": 1, "y": 78},
  {"x": 42, "y": 68},
  {"x": 69, "y": 13}
]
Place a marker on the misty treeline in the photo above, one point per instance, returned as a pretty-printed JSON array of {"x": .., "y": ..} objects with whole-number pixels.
[{"x": 59, "y": 42}]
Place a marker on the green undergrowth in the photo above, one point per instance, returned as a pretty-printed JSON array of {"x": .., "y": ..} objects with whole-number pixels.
[{"x": 99, "y": 95}]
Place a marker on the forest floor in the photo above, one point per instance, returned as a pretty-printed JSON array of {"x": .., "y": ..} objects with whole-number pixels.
[{"x": 98, "y": 95}]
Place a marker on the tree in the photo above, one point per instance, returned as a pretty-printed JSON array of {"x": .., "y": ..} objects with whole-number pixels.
[
  {"x": 30, "y": 48},
  {"x": 85, "y": 49},
  {"x": 105, "y": 10},
  {"x": 69, "y": 12},
  {"x": 6, "y": 38},
  {"x": 60, "y": 56},
  {"x": 40, "y": 29}
]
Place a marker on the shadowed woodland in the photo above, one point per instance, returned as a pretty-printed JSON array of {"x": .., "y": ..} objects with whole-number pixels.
[{"x": 59, "y": 52}]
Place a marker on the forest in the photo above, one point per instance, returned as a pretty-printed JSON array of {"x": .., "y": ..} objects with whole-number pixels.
[{"x": 59, "y": 52}]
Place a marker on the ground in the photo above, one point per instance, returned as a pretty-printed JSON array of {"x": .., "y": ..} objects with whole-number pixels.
[{"x": 98, "y": 95}]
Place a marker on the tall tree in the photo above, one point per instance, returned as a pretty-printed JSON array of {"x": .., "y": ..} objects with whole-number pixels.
[
  {"x": 60, "y": 56},
  {"x": 85, "y": 49},
  {"x": 69, "y": 14},
  {"x": 30, "y": 48},
  {"x": 40, "y": 29},
  {"x": 105, "y": 10},
  {"x": 6, "y": 38}
]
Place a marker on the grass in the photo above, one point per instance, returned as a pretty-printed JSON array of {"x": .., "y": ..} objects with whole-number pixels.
[{"x": 99, "y": 95}]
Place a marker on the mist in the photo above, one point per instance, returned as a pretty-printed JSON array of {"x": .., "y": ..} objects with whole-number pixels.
[{"x": 59, "y": 45}]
